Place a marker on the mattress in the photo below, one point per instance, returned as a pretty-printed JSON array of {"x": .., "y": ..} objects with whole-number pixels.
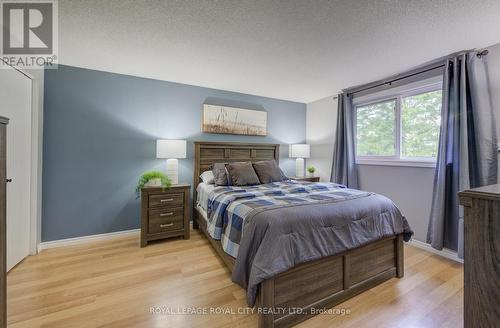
[{"x": 203, "y": 190}]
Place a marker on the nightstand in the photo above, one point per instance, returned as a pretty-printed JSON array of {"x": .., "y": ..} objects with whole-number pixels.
[
  {"x": 164, "y": 212},
  {"x": 310, "y": 179}
]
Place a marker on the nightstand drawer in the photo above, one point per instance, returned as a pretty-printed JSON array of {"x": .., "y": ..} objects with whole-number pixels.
[
  {"x": 166, "y": 213},
  {"x": 162, "y": 224},
  {"x": 169, "y": 200}
]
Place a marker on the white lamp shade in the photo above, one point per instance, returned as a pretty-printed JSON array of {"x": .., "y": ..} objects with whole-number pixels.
[
  {"x": 299, "y": 151},
  {"x": 170, "y": 148}
]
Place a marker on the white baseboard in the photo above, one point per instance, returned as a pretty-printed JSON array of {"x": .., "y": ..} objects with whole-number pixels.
[
  {"x": 107, "y": 236},
  {"x": 86, "y": 239},
  {"x": 444, "y": 253}
]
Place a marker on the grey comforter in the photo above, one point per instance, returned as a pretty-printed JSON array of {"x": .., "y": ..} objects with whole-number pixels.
[{"x": 279, "y": 237}]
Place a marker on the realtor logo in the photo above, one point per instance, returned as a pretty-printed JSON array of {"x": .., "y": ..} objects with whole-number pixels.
[{"x": 29, "y": 33}]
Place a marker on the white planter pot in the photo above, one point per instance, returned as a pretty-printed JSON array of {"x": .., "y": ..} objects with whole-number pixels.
[{"x": 156, "y": 182}]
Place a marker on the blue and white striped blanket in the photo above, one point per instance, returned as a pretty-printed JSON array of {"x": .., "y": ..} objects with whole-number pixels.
[{"x": 229, "y": 206}]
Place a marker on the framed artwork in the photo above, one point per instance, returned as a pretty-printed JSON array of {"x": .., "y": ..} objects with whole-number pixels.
[{"x": 232, "y": 120}]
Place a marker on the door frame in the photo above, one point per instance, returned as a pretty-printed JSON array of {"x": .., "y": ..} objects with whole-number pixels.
[{"x": 37, "y": 78}]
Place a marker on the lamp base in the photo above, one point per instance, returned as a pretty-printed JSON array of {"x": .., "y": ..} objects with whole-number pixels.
[
  {"x": 173, "y": 170},
  {"x": 299, "y": 167}
]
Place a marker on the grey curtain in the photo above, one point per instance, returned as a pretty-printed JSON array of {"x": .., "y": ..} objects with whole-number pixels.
[
  {"x": 467, "y": 156},
  {"x": 344, "y": 169}
]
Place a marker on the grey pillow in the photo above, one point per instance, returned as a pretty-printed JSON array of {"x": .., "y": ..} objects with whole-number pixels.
[
  {"x": 242, "y": 174},
  {"x": 221, "y": 176},
  {"x": 268, "y": 171}
]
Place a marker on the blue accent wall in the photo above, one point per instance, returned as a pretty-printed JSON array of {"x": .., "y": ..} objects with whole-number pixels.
[{"x": 99, "y": 135}]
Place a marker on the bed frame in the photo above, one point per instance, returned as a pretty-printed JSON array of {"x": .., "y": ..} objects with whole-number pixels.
[{"x": 308, "y": 287}]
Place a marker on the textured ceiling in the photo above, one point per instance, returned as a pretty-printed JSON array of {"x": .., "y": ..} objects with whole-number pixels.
[{"x": 298, "y": 50}]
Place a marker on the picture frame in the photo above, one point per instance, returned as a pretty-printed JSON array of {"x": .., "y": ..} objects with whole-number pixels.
[{"x": 233, "y": 120}]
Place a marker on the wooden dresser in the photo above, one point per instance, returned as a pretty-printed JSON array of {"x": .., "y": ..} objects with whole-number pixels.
[
  {"x": 481, "y": 256},
  {"x": 3, "y": 225},
  {"x": 164, "y": 213}
]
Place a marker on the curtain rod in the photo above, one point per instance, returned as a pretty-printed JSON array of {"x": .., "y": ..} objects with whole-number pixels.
[
  {"x": 482, "y": 53},
  {"x": 389, "y": 82},
  {"x": 438, "y": 63}
]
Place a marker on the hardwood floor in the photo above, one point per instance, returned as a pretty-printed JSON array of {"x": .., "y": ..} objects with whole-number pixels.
[{"x": 116, "y": 283}]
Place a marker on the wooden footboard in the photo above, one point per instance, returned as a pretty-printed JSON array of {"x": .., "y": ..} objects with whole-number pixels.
[{"x": 299, "y": 293}]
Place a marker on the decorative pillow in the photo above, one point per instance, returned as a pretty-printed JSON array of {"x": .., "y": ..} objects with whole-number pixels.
[
  {"x": 221, "y": 176},
  {"x": 207, "y": 177},
  {"x": 242, "y": 174},
  {"x": 268, "y": 171}
]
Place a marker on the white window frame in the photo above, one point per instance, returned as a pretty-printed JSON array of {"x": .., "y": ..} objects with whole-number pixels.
[{"x": 397, "y": 94}]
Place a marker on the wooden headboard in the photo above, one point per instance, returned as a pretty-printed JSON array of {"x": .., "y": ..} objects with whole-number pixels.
[{"x": 207, "y": 153}]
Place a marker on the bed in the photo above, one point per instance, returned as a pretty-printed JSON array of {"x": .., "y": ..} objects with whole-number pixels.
[{"x": 288, "y": 296}]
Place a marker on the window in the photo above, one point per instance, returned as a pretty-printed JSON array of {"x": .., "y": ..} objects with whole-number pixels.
[
  {"x": 376, "y": 129},
  {"x": 420, "y": 122},
  {"x": 400, "y": 127}
]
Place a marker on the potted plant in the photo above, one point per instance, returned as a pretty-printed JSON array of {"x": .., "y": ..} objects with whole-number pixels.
[
  {"x": 153, "y": 179},
  {"x": 311, "y": 169}
]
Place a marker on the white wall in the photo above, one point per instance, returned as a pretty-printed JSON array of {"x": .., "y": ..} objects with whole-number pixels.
[
  {"x": 409, "y": 187},
  {"x": 321, "y": 124}
]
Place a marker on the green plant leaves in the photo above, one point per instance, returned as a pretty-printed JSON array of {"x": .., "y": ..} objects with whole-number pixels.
[{"x": 149, "y": 175}]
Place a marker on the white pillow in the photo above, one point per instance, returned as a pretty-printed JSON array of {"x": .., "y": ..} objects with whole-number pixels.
[{"x": 208, "y": 177}]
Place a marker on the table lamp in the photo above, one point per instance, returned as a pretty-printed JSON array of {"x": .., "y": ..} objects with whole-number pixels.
[
  {"x": 171, "y": 150},
  {"x": 299, "y": 151}
]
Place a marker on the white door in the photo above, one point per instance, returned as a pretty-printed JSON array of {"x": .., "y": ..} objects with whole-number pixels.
[{"x": 15, "y": 104}]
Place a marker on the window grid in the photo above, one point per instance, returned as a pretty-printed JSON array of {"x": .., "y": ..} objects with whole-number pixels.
[{"x": 398, "y": 98}]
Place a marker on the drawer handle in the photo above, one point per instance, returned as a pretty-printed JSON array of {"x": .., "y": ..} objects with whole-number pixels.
[
  {"x": 167, "y": 214},
  {"x": 166, "y": 200},
  {"x": 166, "y": 225}
]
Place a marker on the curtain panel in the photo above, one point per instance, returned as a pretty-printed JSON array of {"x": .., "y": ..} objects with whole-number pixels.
[
  {"x": 344, "y": 169},
  {"x": 467, "y": 155}
]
